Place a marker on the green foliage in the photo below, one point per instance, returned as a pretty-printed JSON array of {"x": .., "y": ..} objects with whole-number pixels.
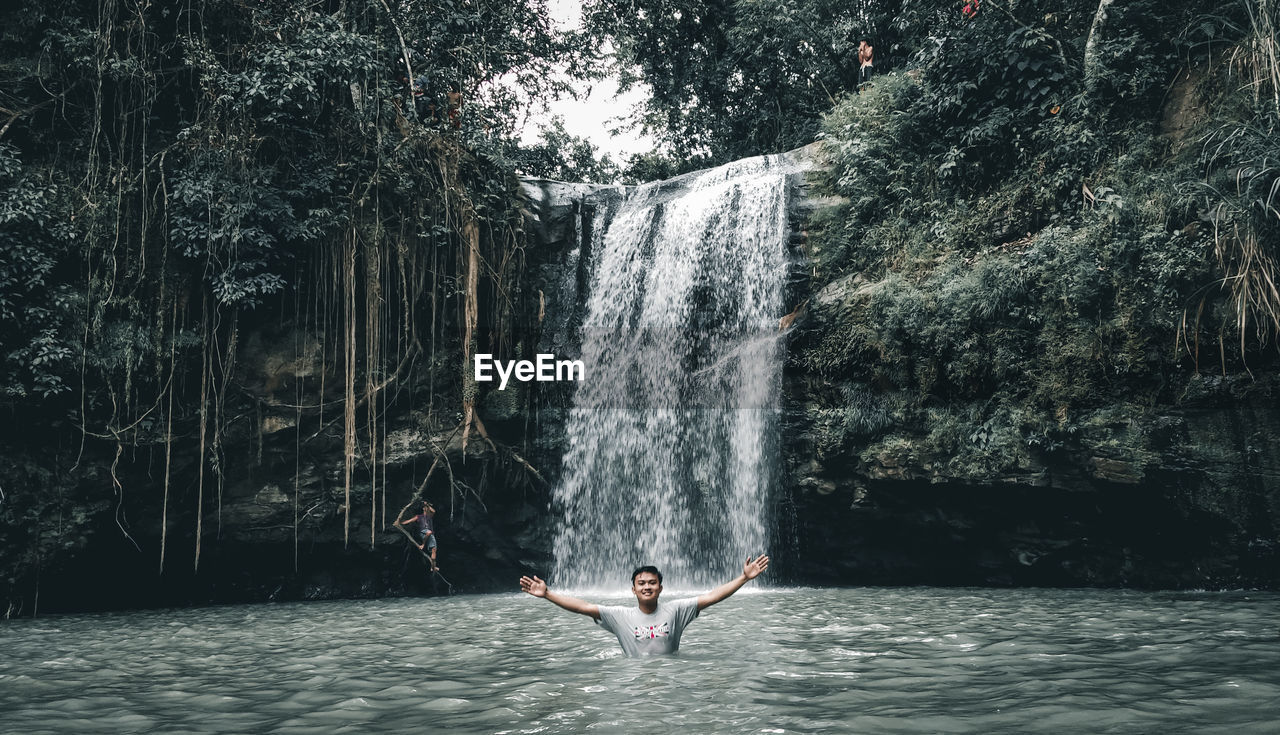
[
  {"x": 35, "y": 244},
  {"x": 1129, "y": 71},
  {"x": 1016, "y": 247},
  {"x": 642, "y": 168},
  {"x": 733, "y": 79},
  {"x": 167, "y": 171},
  {"x": 984, "y": 107},
  {"x": 1065, "y": 317},
  {"x": 237, "y": 220},
  {"x": 867, "y": 412},
  {"x": 275, "y": 79},
  {"x": 1241, "y": 186},
  {"x": 565, "y": 157}
]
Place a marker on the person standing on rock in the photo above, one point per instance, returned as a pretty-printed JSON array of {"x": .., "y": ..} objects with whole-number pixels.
[
  {"x": 649, "y": 628},
  {"x": 425, "y": 531}
]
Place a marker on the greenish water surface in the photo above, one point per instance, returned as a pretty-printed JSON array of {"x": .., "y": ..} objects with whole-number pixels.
[{"x": 912, "y": 660}]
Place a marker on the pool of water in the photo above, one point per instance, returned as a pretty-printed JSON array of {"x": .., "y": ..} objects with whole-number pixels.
[{"x": 915, "y": 660}]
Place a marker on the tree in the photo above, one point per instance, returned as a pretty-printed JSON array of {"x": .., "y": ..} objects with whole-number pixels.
[
  {"x": 732, "y": 79},
  {"x": 560, "y": 155}
]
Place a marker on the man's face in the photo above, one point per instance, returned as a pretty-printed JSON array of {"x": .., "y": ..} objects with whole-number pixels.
[{"x": 646, "y": 587}]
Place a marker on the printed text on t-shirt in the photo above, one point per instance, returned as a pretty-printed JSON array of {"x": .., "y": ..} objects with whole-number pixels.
[{"x": 661, "y": 630}]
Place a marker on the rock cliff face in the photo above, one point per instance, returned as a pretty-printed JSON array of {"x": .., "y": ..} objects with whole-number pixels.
[
  {"x": 1180, "y": 497},
  {"x": 1185, "y": 493},
  {"x": 274, "y": 528},
  {"x": 273, "y": 524}
]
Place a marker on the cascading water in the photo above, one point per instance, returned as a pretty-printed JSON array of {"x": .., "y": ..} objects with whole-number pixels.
[{"x": 671, "y": 441}]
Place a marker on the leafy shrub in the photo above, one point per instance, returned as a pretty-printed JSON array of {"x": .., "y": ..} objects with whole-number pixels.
[
  {"x": 36, "y": 358},
  {"x": 1024, "y": 246}
]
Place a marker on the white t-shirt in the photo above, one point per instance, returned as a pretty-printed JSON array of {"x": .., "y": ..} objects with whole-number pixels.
[{"x": 644, "y": 635}]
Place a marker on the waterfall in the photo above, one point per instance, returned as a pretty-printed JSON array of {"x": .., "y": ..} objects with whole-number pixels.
[{"x": 671, "y": 440}]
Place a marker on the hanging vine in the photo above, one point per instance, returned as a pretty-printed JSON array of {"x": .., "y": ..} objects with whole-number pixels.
[{"x": 211, "y": 170}]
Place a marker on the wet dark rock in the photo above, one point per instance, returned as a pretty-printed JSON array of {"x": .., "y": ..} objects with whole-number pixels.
[{"x": 1182, "y": 495}]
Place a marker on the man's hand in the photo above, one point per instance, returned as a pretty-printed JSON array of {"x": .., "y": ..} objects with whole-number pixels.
[
  {"x": 421, "y": 547},
  {"x": 533, "y": 586},
  {"x": 538, "y": 588},
  {"x": 754, "y": 568}
]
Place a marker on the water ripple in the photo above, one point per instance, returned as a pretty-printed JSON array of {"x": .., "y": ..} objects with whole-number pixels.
[{"x": 795, "y": 661}]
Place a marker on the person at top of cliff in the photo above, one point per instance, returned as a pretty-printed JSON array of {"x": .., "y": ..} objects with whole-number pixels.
[
  {"x": 650, "y": 627},
  {"x": 454, "y": 104},
  {"x": 866, "y": 63},
  {"x": 425, "y": 531}
]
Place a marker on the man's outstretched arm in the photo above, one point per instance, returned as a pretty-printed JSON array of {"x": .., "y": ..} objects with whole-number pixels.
[
  {"x": 752, "y": 569},
  {"x": 538, "y": 588}
]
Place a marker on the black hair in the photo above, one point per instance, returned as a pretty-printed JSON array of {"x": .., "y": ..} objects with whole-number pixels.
[{"x": 641, "y": 570}]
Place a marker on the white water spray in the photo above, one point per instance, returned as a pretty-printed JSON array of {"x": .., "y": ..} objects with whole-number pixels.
[{"x": 671, "y": 442}]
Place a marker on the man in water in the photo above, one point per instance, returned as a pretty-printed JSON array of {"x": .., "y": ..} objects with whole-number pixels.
[
  {"x": 650, "y": 627},
  {"x": 426, "y": 531}
]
